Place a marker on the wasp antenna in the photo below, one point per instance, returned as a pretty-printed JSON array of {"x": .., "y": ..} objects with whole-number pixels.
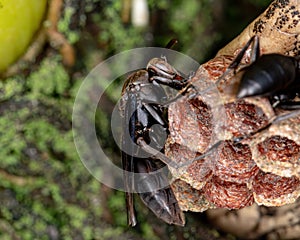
[{"x": 171, "y": 43}]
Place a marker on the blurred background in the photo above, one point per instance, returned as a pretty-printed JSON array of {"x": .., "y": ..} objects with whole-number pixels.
[{"x": 45, "y": 191}]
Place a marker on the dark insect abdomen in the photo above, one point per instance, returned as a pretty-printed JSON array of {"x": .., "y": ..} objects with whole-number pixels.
[{"x": 270, "y": 74}]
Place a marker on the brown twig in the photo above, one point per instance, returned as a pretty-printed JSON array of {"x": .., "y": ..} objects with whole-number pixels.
[
  {"x": 17, "y": 180},
  {"x": 56, "y": 39}
]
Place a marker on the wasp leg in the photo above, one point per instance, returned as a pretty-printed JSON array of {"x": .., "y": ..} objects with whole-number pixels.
[
  {"x": 195, "y": 92},
  {"x": 154, "y": 114},
  {"x": 272, "y": 121},
  {"x": 168, "y": 161},
  {"x": 159, "y": 155},
  {"x": 289, "y": 105},
  {"x": 285, "y": 116},
  {"x": 255, "y": 50},
  {"x": 255, "y": 53},
  {"x": 173, "y": 83}
]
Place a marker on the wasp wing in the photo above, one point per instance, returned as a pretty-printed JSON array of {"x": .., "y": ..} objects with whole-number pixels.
[
  {"x": 128, "y": 124},
  {"x": 161, "y": 201}
]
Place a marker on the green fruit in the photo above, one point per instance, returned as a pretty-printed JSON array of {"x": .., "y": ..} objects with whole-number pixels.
[{"x": 19, "y": 21}]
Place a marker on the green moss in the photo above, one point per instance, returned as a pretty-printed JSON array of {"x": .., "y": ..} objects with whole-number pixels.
[
  {"x": 11, "y": 142},
  {"x": 11, "y": 87},
  {"x": 148, "y": 232},
  {"x": 112, "y": 233},
  {"x": 114, "y": 32},
  {"x": 116, "y": 205},
  {"x": 64, "y": 25},
  {"x": 44, "y": 175},
  {"x": 51, "y": 79}
]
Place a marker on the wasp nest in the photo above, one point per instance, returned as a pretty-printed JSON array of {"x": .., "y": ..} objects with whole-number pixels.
[
  {"x": 255, "y": 161},
  {"x": 263, "y": 168}
]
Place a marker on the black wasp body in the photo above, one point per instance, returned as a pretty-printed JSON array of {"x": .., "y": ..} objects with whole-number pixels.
[
  {"x": 274, "y": 75},
  {"x": 143, "y": 109}
]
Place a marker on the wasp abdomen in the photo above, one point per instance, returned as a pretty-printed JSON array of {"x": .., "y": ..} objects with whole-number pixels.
[{"x": 269, "y": 74}]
